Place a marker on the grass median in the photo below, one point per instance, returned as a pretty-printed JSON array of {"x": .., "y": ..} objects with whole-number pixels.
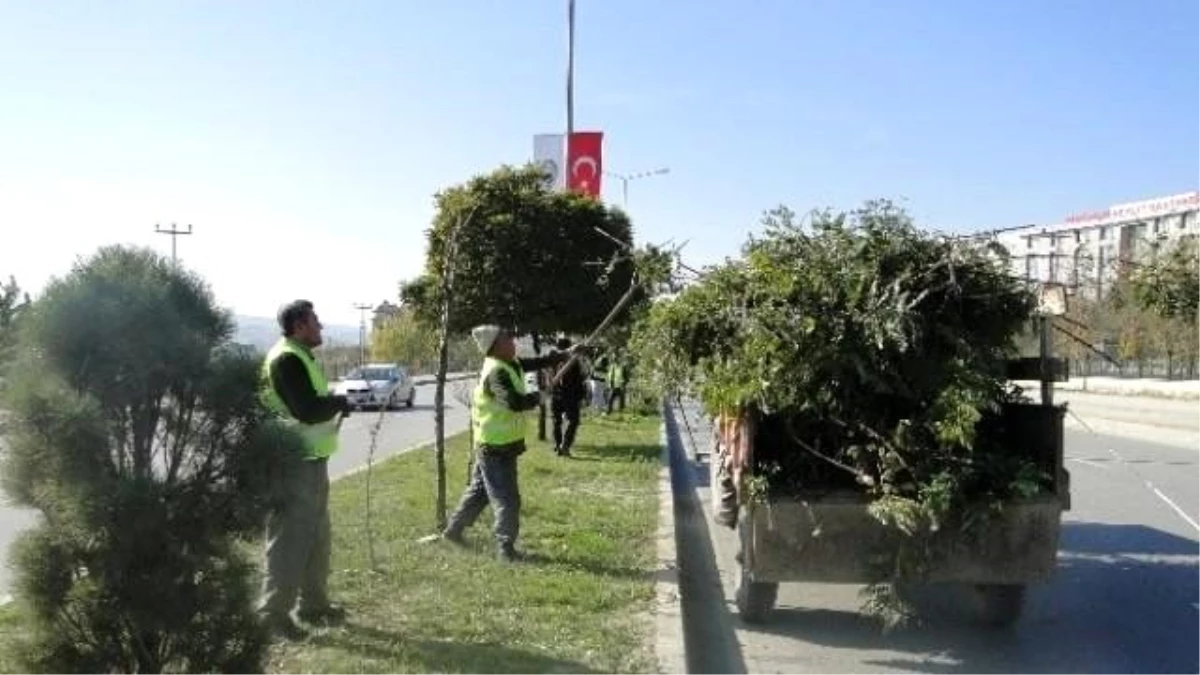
[{"x": 580, "y": 604}]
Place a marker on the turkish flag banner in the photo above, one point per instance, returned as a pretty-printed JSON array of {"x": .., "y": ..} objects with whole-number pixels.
[{"x": 583, "y": 162}]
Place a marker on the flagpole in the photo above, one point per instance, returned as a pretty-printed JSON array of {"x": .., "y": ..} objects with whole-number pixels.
[{"x": 570, "y": 67}]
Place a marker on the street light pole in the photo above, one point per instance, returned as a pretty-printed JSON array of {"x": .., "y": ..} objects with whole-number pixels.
[
  {"x": 570, "y": 68},
  {"x": 625, "y": 178},
  {"x": 362, "y": 332}
]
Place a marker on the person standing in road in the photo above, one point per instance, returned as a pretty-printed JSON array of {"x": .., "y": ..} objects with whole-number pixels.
[
  {"x": 566, "y": 400},
  {"x": 497, "y": 409},
  {"x": 618, "y": 379},
  {"x": 298, "y": 530}
]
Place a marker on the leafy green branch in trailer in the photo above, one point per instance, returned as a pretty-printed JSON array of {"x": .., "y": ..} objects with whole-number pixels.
[{"x": 868, "y": 353}]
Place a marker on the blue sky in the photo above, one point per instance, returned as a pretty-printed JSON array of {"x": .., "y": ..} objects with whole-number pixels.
[{"x": 324, "y": 128}]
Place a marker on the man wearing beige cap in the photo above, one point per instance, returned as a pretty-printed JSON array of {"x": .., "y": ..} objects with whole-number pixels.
[{"x": 497, "y": 413}]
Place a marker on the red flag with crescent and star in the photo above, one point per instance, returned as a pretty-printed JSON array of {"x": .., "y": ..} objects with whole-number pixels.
[{"x": 583, "y": 162}]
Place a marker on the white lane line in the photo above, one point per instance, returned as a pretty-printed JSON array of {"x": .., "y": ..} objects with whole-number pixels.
[
  {"x": 1159, "y": 493},
  {"x": 1089, "y": 462},
  {"x": 1181, "y": 512}
]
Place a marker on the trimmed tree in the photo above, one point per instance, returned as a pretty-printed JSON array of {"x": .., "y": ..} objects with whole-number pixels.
[
  {"x": 137, "y": 432},
  {"x": 520, "y": 256},
  {"x": 531, "y": 260}
]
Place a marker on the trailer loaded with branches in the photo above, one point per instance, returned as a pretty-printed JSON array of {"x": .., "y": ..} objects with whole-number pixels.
[{"x": 860, "y": 376}]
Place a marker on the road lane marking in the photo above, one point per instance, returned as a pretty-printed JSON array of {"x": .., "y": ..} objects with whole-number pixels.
[
  {"x": 1089, "y": 462},
  {"x": 1159, "y": 493},
  {"x": 1181, "y": 512}
]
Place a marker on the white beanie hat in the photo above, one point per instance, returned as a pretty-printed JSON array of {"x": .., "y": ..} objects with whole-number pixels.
[{"x": 485, "y": 336}]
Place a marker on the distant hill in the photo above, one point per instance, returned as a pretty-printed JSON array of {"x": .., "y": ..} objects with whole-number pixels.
[{"x": 261, "y": 332}]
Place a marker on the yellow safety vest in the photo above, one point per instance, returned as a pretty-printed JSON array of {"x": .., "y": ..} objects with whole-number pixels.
[
  {"x": 495, "y": 423},
  {"x": 321, "y": 439}
]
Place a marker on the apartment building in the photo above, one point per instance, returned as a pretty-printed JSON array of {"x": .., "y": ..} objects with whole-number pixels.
[{"x": 1088, "y": 250}]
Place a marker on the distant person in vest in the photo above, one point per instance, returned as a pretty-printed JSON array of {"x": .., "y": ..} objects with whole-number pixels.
[
  {"x": 566, "y": 399},
  {"x": 599, "y": 389},
  {"x": 497, "y": 411},
  {"x": 298, "y": 537},
  {"x": 618, "y": 379}
]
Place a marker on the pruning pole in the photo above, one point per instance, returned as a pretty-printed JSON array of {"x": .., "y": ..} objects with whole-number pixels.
[{"x": 612, "y": 315}]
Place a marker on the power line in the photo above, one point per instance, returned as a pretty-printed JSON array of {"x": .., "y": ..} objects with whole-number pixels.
[
  {"x": 175, "y": 233},
  {"x": 362, "y": 331}
]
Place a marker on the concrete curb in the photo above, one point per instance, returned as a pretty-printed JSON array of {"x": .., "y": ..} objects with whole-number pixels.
[{"x": 669, "y": 647}]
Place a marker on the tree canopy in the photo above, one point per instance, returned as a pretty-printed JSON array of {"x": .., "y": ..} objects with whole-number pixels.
[
  {"x": 137, "y": 432},
  {"x": 529, "y": 259}
]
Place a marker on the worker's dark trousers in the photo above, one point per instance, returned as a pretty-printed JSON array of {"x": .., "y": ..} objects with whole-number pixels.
[
  {"x": 565, "y": 410},
  {"x": 298, "y": 543},
  {"x": 494, "y": 480},
  {"x": 614, "y": 394}
]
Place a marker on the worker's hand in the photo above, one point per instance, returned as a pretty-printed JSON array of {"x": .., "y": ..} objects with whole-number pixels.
[
  {"x": 577, "y": 349},
  {"x": 342, "y": 404}
]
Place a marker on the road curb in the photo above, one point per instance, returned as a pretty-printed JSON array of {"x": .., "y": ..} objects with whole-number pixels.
[{"x": 669, "y": 648}]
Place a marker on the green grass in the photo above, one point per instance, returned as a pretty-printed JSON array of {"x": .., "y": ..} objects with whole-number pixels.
[{"x": 580, "y": 604}]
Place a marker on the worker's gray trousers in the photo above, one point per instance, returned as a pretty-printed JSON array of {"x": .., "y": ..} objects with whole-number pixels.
[
  {"x": 298, "y": 542},
  {"x": 494, "y": 479}
]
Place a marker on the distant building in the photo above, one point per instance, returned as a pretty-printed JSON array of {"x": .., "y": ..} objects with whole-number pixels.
[
  {"x": 383, "y": 313},
  {"x": 1088, "y": 251}
]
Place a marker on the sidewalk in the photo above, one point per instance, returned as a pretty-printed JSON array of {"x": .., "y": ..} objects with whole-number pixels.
[{"x": 1120, "y": 386}]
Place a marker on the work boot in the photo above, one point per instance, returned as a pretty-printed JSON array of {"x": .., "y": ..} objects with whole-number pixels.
[
  {"x": 454, "y": 537},
  {"x": 509, "y": 554},
  {"x": 283, "y": 627},
  {"x": 324, "y": 616}
]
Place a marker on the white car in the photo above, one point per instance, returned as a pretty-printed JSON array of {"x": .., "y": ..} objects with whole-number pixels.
[{"x": 377, "y": 385}]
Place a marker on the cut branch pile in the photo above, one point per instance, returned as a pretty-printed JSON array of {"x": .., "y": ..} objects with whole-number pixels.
[{"x": 865, "y": 352}]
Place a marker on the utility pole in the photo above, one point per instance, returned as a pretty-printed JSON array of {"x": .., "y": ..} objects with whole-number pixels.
[
  {"x": 175, "y": 232},
  {"x": 362, "y": 332},
  {"x": 570, "y": 69}
]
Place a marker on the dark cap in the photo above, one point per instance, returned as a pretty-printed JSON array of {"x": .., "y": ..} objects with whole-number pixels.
[
  {"x": 564, "y": 343},
  {"x": 293, "y": 313}
]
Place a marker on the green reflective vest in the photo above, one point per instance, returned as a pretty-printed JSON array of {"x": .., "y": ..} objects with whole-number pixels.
[
  {"x": 321, "y": 439},
  {"x": 495, "y": 423},
  {"x": 616, "y": 376}
]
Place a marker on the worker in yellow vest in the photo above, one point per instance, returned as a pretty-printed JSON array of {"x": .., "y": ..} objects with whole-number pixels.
[
  {"x": 497, "y": 413},
  {"x": 298, "y": 533}
]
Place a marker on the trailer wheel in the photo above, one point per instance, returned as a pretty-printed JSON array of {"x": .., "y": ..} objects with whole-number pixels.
[
  {"x": 1000, "y": 605},
  {"x": 755, "y": 599}
]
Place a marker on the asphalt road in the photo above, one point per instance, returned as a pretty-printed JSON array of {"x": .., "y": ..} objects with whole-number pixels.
[
  {"x": 1124, "y": 598},
  {"x": 398, "y": 431}
]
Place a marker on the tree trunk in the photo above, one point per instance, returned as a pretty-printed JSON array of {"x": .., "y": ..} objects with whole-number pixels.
[
  {"x": 439, "y": 423},
  {"x": 439, "y": 396}
]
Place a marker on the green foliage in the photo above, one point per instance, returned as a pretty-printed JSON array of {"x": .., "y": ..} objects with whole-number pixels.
[
  {"x": 868, "y": 352},
  {"x": 405, "y": 339},
  {"x": 137, "y": 432},
  {"x": 1170, "y": 285},
  {"x": 12, "y": 304},
  {"x": 527, "y": 258}
]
